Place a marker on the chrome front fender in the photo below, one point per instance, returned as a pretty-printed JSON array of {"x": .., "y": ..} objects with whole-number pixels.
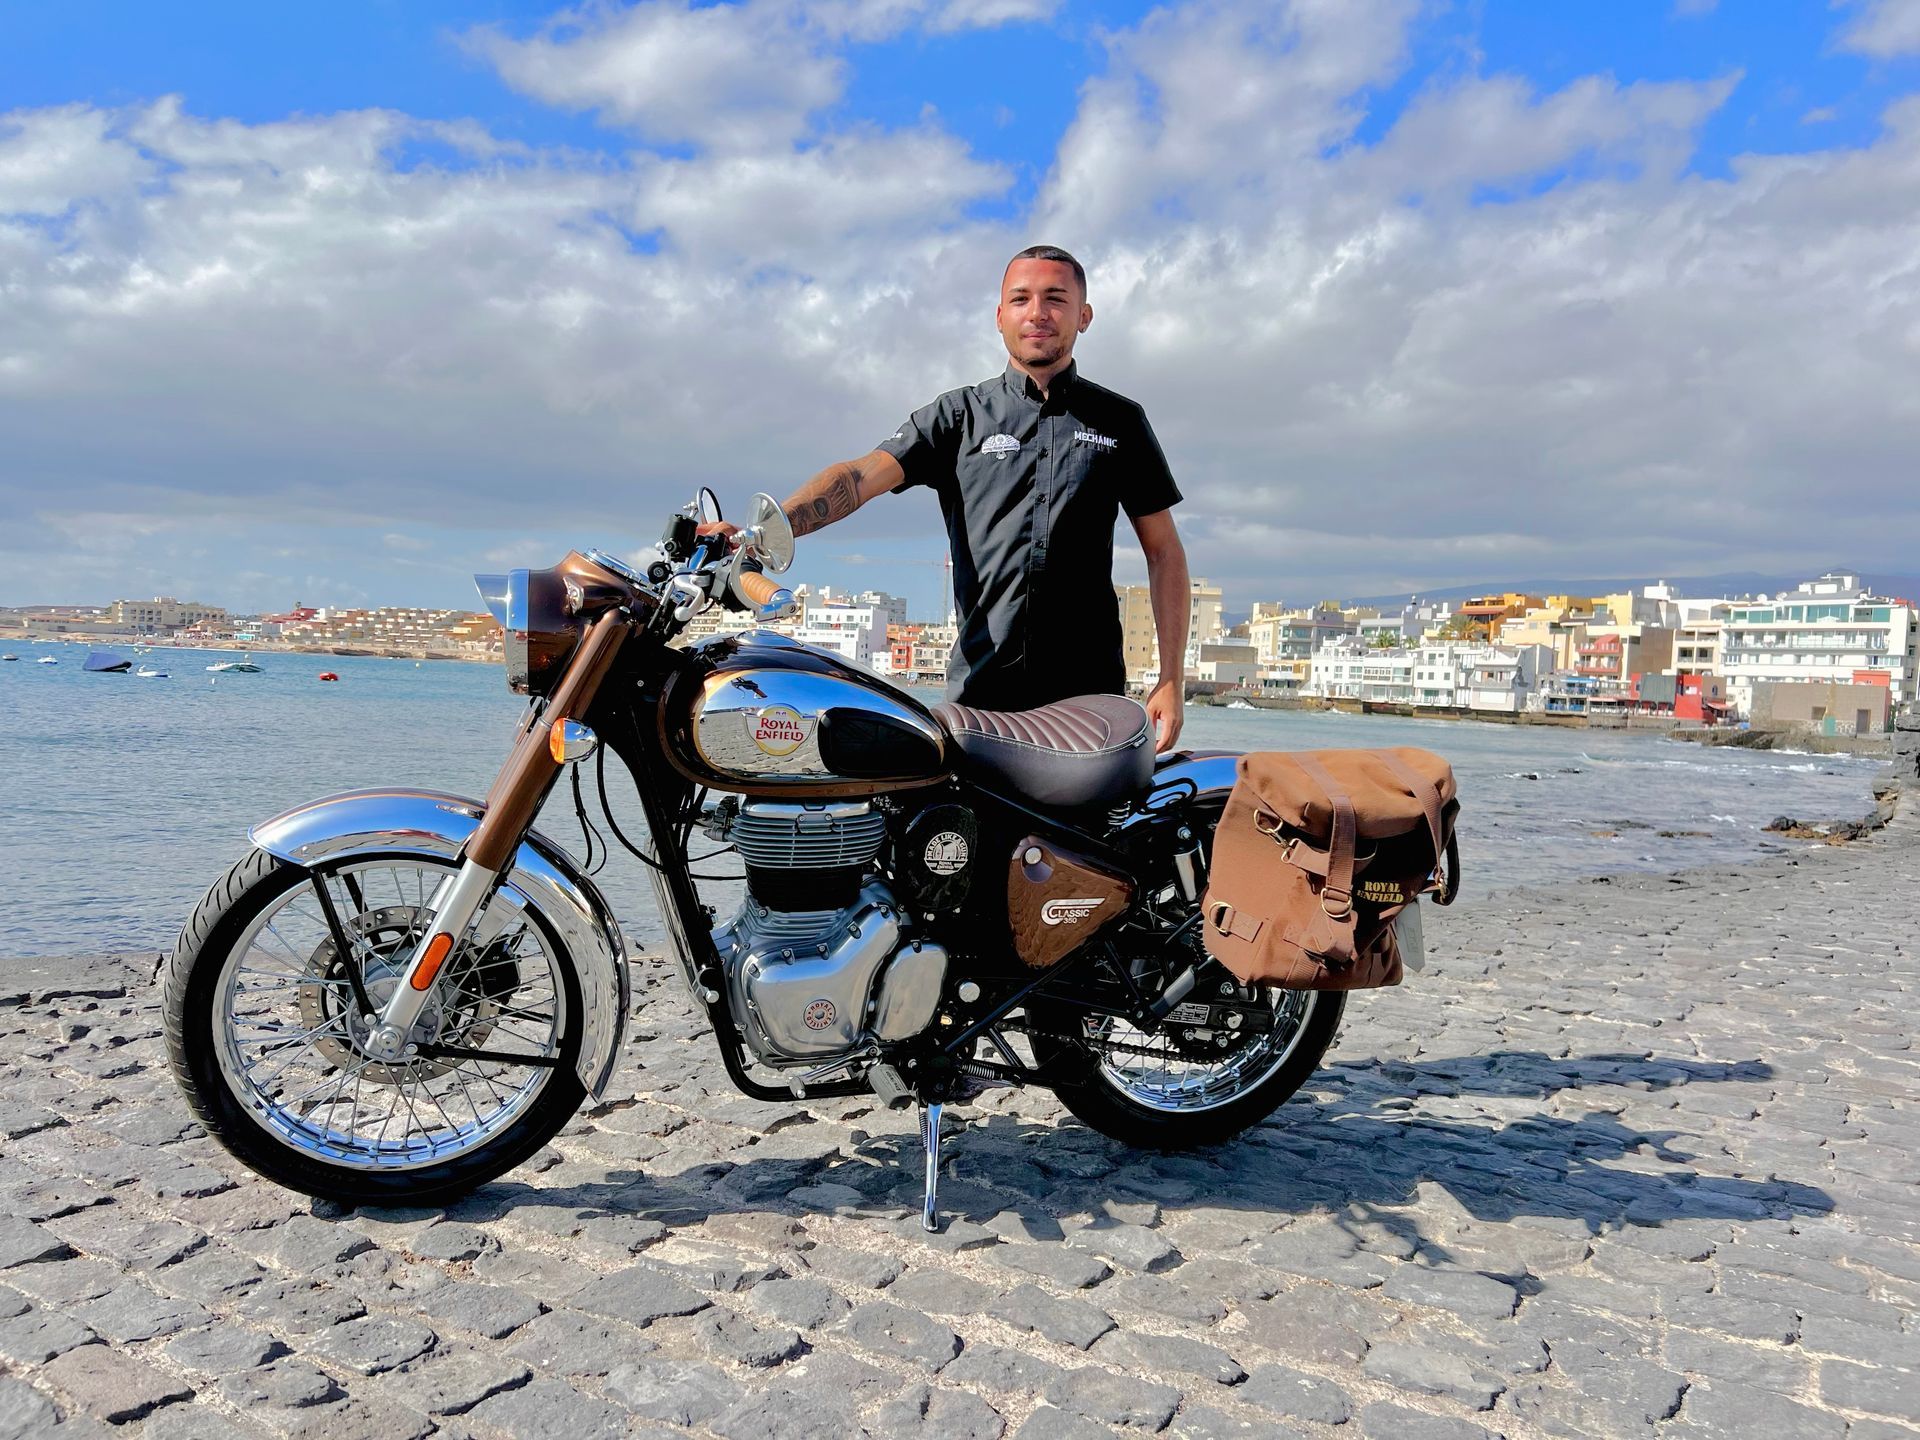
[{"x": 543, "y": 878}]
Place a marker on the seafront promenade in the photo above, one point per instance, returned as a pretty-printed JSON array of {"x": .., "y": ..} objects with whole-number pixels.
[{"x": 1633, "y": 1157}]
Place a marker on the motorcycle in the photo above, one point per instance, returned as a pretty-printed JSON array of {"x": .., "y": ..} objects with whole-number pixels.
[{"x": 399, "y": 994}]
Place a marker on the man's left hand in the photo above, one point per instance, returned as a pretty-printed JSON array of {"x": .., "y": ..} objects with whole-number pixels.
[{"x": 1166, "y": 707}]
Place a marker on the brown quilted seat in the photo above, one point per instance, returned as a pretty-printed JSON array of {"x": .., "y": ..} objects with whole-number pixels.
[{"x": 1090, "y": 750}]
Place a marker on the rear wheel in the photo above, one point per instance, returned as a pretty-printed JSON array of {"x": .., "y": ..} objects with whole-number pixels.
[{"x": 266, "y": 1038}]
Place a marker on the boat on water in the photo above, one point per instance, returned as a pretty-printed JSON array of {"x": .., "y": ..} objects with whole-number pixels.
[
  {"x": 48, "y": 660},
  {"x": 9, "y": 657},
  {"x": 147, "y": 672},
  {"x": 105, "y": 662},
  {"x": 235, "y": 667},
  {"x": 328, "y": 675},
  {"x": 1241, "y": 705}
]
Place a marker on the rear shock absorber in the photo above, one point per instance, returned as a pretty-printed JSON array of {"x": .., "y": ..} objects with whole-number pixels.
[{"x": 1189, "y": 865}]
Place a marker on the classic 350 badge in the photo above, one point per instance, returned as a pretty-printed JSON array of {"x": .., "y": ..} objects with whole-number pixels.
[{"x": 778, "y": 729}]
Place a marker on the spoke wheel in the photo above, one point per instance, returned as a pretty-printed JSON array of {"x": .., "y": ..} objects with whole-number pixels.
[{"x": 267, "y": 1032}]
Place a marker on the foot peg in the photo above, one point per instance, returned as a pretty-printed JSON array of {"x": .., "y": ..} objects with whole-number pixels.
[{"x": 930, "y": 1134}]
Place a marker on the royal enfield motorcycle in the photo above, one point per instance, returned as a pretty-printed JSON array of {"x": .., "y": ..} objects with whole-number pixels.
[{"x": 398, "y": 994}]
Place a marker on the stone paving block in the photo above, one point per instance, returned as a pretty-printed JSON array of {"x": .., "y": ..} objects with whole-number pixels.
[
  {"x": 210, "y": 1276},
  {"x": 1292, "y": 1326},
  {"x": 37, "y": 1336},
  {"x": 223, "y": 1349},
  {"x": 546, "y": 1410},
  {"x": 494, "y": 1311},
  {"x": 114, "y": 1387},
  {"x": 24, "y": 1411},
  {"x": 452, "y": 1383},
  {"x": 1168, "y": 1297},
  {"x": 1047, "y": 1423},
  {"x": 451, "y": 1241},
  {"x": 1070, "y": 1322},
  {"x": 1730, "y": 1315},
  {"x": 1432, "y": 1372},
  {"x": 1737, "y": 1412},
  {"x": 994, "y": 1367},
  {"x": 1069, "y": 1269},
  {"x": 567, "y": 1342},
  {"x": 354, "y": 1419},
  {"x": 1296, "y": 1395},
  {"x": 1475, "y": 1296},
  {"x": 1144, "y": 1354},
  {"x": 674, "y": 1391},
  {"x": 941, "y": 1292},
  {"x": 901, "y": 1334},
  {"x": 298, "y": 1307},
  {"x": 1783, "y": 1370},
  {"x": 1878, "y": 1390},
  {"x": 1132, "y": 1247},
  {"x": 22, "y": 1242},
  {"x": 372, "y": 1344},
  {"x": 954, "y": 1236},
  {"x": 1207, "y": 1422},
  {"x": 194, "y": 1422},
  {"x": 938, "y": 1415},
  {"x": 304, "y": 1245},
  {"x": 866, "y": 1268},
  {"x": 724, "y": 1334},
  {"x": 1113, "y": 1399},
  {"x": 1383, "y": 1421},
  {"x": 63, "y": 1283},
  {"x": 639, "y": 1295},
  {"x": 803, "y": 1302},
  {"x": 283, "y": 1385},
  {"x": 131, "y": 1312}
]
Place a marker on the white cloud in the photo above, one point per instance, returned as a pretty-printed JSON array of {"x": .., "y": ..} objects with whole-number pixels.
[
  {"x": 1884, "y": 29},
  {"x": 218, "y": 337}
]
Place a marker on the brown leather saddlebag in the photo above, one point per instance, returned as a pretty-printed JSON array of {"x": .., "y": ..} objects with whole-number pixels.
[{"x": 1316, "y": 854}]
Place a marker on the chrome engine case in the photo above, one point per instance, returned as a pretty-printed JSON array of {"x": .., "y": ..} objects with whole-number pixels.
[{"x": 809, "y": 986}]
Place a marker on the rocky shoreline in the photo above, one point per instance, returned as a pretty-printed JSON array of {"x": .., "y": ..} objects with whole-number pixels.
[{"x": 1633, "y": 1157}]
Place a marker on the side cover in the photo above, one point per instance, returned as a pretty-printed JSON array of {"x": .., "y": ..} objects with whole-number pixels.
[
  {"x": 1058, "y": 900},
  {"x": 542, "y": 878}
]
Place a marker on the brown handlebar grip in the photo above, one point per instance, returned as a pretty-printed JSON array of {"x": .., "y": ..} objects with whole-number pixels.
[{"x": 755, "y": 588}]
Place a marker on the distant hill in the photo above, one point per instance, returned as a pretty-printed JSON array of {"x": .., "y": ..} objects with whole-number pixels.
[{"x": 1738, "y": 583}]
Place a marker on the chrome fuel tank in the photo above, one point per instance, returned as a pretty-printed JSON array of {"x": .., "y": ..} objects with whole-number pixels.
[{"x": 765, "y": 715}]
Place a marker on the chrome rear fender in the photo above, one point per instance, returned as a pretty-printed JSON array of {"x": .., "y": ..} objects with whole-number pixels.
[{"x": 543, "y": 879}]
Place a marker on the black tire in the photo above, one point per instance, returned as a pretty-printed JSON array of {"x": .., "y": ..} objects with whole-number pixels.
[
  {"x": 188, "y": 999},
  {"x": 1096, "y": 1101}
]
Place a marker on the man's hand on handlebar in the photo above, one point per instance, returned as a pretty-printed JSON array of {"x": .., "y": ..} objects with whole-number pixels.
[{"x": 719, "y": 527}]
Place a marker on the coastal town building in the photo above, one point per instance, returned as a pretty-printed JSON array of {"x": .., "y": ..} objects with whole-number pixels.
[
  {"x": 1140, "y": 642},
  {"x": 396, "y": 629},
  {"x": 1830, "y": 630},
  {"x": 1285, "y": 640},
  {"x": 1822, "y": 707},
  {"x": 162, "y": 615}
]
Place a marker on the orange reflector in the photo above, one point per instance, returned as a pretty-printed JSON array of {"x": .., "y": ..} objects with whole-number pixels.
[
  {"x": 431, "y": 962},
  {"x": 557, "y": 741}
]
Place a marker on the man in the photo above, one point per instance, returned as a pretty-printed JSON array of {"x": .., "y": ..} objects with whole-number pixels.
[{"x": 1032, "y": 469}]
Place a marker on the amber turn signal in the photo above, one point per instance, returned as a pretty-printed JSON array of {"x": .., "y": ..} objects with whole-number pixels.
[
  {"x": 569, "y": 740},
  {"x": 431, "y": 962}
]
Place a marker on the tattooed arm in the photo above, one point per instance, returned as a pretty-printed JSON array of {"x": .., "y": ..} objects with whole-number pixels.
[{"x": 839, "y": 490}]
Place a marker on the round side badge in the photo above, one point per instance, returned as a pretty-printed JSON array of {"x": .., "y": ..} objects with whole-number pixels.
[
  {"x": 777, "y": 729},
  {"x": 946, "y": 853}
]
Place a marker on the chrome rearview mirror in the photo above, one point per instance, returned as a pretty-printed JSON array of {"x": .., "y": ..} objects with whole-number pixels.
[
  {"x": 769, "y": 534},
  {"x": 706, "y": 507}
]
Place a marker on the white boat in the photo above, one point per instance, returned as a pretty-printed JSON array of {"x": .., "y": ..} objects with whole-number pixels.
[
  {"x": 147, "y": 672},
  {"x": 235, "y": 667},
  {"x": 49, "y": 660},
  {"x": 9, "y": 657},
  {"x": 1241, "y": 705}
]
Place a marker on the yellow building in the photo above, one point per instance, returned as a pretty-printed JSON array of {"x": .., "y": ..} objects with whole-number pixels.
[{"x": 1140, "y": 643}]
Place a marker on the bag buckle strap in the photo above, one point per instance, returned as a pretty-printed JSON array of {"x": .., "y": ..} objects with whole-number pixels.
[{"x": 1342, "y": 898}]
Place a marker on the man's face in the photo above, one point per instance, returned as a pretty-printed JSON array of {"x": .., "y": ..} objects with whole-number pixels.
[{"x": 1041, "y": 312}]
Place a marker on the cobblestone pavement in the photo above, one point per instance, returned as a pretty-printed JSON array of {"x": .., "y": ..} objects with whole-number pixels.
[{"x": 1637, "y": 1157}]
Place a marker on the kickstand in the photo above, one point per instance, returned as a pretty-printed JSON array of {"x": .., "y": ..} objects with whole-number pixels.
[{"x": 930, "y": 1134}]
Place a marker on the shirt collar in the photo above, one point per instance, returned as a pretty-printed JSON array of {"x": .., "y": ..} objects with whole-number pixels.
[{"x": 1021, "y": 383}]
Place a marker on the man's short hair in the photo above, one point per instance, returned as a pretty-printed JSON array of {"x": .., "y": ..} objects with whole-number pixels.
[{"x": 1055, "y": 253}]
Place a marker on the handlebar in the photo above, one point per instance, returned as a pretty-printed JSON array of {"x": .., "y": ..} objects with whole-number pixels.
[{"x": 756, "y": 589}]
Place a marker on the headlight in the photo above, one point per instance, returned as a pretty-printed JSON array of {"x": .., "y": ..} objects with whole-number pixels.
[{"x": 540, "y": 631}]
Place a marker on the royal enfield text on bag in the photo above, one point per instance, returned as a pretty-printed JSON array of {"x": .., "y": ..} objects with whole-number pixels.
[{"x": 1317, "y": 852}]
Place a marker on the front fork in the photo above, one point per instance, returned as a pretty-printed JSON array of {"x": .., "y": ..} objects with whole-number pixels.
[{"x": 547, "y": 742}]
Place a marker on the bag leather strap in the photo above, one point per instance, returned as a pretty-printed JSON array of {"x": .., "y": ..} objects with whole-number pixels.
[
  {"x": 1237, "y": 923},
  {"x": 1338, "y": 888},
  {"x": 1425, "y": 792}
]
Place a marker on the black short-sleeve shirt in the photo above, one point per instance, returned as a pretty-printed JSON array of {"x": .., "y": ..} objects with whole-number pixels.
[{"x": 1031, "y": 489}]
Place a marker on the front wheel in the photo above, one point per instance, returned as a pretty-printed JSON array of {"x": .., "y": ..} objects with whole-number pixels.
[
  {"x": 1165, "y": 1089},
  {"x": 265, "y": 1036}
]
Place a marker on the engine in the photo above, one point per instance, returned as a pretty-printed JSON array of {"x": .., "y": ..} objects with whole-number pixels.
[{"x": 815, "y": 960}]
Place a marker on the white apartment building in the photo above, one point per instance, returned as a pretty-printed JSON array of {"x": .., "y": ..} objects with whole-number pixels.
[
  {"x": 1500, "y": 679},
  {"x": 1830, "y": 629},
  {"x": 161, "y": 614},
  {"x": 1347, "y": 670},
  {"x": 855, "y": 632}
]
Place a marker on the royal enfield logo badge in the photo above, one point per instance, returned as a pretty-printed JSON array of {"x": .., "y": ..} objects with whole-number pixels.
[
  {"x": 1068, "y": 912},
  {"x": 999, "y": 445},
  {"x": 778, "y": 729},
  {"x": 819, "y": 1015},
  {"x": 946, "y": 853}
]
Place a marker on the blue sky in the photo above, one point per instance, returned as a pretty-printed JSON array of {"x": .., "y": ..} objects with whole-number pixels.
[{"x": 1449, "y": 134}]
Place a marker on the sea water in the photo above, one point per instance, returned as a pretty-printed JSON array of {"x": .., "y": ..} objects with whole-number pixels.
[{"x": 122, "y": 799}]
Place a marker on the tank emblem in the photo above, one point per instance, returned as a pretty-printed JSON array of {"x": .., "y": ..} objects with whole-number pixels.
[
  {"x": 946, "y": 853},
  {"x": 778, "y": 729},
  {"x": 1068, "y": 912},
  {"x": 820, "y": 1015}
]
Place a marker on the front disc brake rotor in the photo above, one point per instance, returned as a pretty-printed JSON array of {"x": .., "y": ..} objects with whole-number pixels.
[{"x": 461, "y": 1010}]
